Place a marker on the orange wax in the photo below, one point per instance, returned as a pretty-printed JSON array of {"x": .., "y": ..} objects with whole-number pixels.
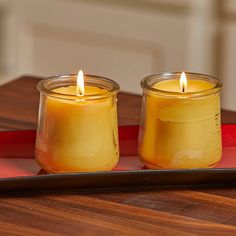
[{"x": 79, "y": 134}]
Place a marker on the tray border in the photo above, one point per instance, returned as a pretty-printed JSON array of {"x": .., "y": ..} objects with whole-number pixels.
[{"x": 131, "y": 180}]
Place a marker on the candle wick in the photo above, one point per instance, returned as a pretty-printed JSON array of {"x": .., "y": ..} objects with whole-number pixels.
[
  {"x": 183, "y": 89},
  {"x": 78, "y": 91}
]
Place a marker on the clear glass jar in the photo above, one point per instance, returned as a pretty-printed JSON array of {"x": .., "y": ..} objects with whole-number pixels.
[
  {"x": 77, "y": 133},
  {"x": 180, "y": 129}
]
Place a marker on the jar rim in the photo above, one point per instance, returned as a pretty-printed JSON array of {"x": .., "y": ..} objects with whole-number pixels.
[
  {"x": 70, "y": 79},
  {"x": 148, "y": 82}
]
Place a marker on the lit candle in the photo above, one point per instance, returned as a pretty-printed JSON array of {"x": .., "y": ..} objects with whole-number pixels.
[
  {"x": 180, "y": 125},
  {"x": 77, "y": 128}
]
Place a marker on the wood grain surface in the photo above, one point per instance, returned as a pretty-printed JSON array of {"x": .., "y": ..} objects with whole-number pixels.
[{"x": 199, "y": 211}]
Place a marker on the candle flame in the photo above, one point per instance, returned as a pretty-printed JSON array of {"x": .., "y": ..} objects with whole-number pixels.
[
  {"x": 80, "y": 84},
  {"x": 183, "y": 82}
]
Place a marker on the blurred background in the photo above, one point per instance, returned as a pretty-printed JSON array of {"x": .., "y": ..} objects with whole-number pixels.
[{"x": 124, "y": 40}]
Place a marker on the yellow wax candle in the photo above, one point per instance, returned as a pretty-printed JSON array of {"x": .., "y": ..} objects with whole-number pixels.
[
  {"x": 181, "y": 129},
  {"x": 80, "y": 133}
]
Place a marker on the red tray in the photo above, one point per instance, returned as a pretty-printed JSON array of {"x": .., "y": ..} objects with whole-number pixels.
[{"x": 20, "y": 173}]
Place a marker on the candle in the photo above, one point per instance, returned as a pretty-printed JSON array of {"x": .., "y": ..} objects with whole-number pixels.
[
  {"x": 77, "y": 128},
  {"x": 180, "y": 125}
]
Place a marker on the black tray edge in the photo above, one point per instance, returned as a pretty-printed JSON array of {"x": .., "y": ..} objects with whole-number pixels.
[{"x": 117, "y": 181}]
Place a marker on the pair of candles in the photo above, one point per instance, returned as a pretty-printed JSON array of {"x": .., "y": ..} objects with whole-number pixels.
[{"x": 77, "y": 127}]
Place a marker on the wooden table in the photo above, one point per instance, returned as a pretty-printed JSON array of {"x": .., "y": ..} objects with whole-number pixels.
[{"x": 198, "y": 211}]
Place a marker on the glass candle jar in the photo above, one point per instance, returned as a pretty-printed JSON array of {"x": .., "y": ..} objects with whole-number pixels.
[
  {"x": 180, "y": 128},
  {"x": 77, "y": 133}
]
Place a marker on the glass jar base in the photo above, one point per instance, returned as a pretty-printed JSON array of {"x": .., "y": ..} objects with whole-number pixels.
[
  {"x": 51, "y": 170},
  {"x": 54, "y": 171},
  {"x": 162, "y": 167}
]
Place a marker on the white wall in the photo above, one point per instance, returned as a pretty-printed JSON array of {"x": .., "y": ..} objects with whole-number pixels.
[{"x": 124, "y": 40}]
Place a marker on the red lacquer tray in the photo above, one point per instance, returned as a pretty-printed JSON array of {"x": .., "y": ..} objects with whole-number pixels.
[{"x": 19, "y": 172}]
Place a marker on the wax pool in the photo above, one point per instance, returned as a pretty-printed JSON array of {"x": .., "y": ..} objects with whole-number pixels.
[
  {"x": 180, "y": 130},
  {"x": 78, "y": 134}
]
